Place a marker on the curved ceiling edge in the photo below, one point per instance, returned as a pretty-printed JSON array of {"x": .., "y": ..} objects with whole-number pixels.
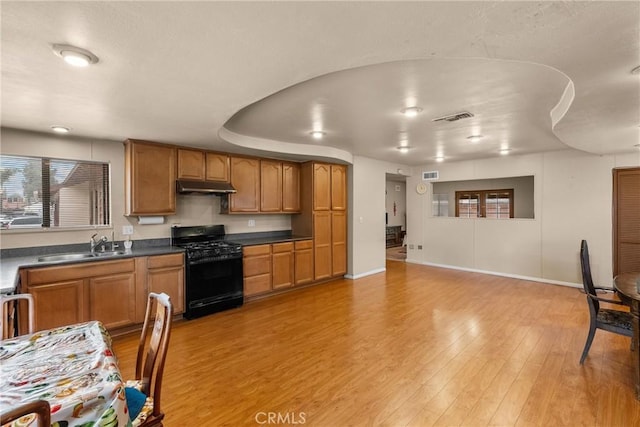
[{"x": 288, "y": 148}]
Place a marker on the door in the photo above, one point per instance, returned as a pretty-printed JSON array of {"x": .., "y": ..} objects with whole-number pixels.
[
  {"x": 626, "y": 220},
  {"x": 338, "y": 187},
  {"x": 58, "y": 304},
  {"x": 290, "y": 187},
  {"x": 321, "y": 187},
  {"x": 270, "y": 186}
]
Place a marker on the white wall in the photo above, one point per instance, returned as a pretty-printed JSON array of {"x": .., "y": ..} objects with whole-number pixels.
[
  {"x": 191, "y": 209},
  {"x": 572, "y": 197},
  {"x": 396, "y": 192},
  {"x": 366, "y": 216}
]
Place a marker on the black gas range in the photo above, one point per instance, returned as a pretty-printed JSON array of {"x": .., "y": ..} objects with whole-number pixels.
[{"x": 213, "y": 269}]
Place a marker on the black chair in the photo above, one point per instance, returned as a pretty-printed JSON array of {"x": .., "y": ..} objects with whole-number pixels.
[{"x": 616, "y": 321}]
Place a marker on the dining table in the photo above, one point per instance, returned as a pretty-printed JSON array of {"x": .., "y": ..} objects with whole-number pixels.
[
  {"x": 627, "y": 286},
  {"x": 72, "y": 367}
]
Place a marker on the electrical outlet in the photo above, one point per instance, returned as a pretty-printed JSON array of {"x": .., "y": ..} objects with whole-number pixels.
[
  {"x": 127, "y": 230},
  {"x": 419, "y": 247},
  {"x": 410, "y": 246},
  {"x": 252, "y": 223}
]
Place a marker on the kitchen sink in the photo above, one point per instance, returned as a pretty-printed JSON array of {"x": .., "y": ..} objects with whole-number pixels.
[
  {"x": 108, "y": 253},
  {"x": 78, "y": 256}
]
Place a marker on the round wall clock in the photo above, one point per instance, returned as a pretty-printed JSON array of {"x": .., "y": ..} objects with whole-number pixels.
[{"x": 421, "y": 188}]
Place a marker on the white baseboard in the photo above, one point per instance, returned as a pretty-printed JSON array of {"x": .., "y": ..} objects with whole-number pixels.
[
  {"x": 496, "y": 273},
  {"x": 365, "y": 274}
]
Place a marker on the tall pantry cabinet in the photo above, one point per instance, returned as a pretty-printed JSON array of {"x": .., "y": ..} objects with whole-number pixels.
[{"x": 324, "y": 216}]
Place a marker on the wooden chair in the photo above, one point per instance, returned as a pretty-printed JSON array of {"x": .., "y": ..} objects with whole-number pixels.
[
  {"x": 616, "y": 321},
  {"x": 9, "y": 305},
  {"x": 38, "y": 408},
  {"x": 143, "y": 394}
]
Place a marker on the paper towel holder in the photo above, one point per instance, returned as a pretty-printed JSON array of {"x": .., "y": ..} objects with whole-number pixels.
[{"x": 145, "y": 220}]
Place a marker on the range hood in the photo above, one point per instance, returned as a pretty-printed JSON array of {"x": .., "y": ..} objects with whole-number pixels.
[{"x": 207, "y": 187}]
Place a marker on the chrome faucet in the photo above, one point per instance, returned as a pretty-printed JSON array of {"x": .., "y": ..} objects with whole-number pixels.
[{"x": 94, "y": 244}]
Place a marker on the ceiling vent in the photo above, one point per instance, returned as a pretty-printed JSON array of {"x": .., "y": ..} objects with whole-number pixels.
[
  {"x": 454, "y": 117},
  {"x": 430, "y": 175}
]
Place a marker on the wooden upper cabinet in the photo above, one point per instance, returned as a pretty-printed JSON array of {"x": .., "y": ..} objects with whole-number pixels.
[
  {"x": 338, "y": 187},
  {"x": 321, "y": 187},
  {"x": 270, "y": 186},
  {"x": 217, "y": 167},
  {"x": 245, "y": 178},
  {"x": 191, "y": 164},
  {"x": 198, "y": 165},
  {"x": 290, "y": 187},
  {"x": 150, "y": 178}
]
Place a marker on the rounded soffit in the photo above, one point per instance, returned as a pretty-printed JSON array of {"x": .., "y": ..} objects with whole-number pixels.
[{"x": 362, "y": 107}]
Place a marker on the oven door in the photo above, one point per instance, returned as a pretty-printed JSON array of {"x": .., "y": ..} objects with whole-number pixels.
[{"x": 213, "y": 286}]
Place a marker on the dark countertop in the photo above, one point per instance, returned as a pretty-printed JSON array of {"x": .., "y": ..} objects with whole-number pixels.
[
  {"x": 10, "y": 265},
  {"x": 265, "y": 240}
]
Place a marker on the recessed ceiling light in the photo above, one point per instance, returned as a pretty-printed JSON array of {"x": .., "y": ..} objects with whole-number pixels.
[
  {"x": 474, "y": 138},
  {"x": 404, "y": 149},
  {"x": 505, "y": 151},
  {"x": 60, "y": 129},
  {"x": 411, "y": 111},
  {"x": 439, "y": 159},
  {"x": 317, "y": 134},
  {"x": 75, "y": 56},
  {"x": 636, "y": 70}
]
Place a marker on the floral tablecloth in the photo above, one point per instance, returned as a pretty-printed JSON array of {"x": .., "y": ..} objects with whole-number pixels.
[{"x": 73, "y": 368}]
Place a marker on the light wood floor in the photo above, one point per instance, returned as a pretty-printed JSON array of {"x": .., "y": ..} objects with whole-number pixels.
[{"x": 414, "y": 346}]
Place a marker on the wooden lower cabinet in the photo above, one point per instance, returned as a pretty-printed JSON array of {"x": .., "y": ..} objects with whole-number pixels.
[
  {"x": 112, "y": 300},
  {"x": 303, "y": 262},
  {"x": 165, "y": 273},
  {"x": 256, "y": 266},
  {"x": 338, "y": 243},
  {"x": 58, "y": 303},
  {"x": 113, "y": 292},
  {"x": 322, "y": 265},
  {"x": 73, "y": 293},
  {"x": 282, "y": 265}
]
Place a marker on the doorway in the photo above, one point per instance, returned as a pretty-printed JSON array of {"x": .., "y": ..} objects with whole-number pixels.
[{"x": 396, "y": 217}]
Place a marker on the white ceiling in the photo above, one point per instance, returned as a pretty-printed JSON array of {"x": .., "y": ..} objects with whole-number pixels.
[{"x": 261, "y": 75}]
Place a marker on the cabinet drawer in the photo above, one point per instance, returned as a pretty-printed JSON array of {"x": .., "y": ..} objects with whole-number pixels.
[
  {"x": 282, "y": 247},
  {"x": 161, "y": 261},
  {"x": 256, "y": 250},
  {"x": 62, "y": 273},
  {"x": 257, "y": 284},
  {"x": 304, "y": 244},
  {"x": 253, "y": 266}
]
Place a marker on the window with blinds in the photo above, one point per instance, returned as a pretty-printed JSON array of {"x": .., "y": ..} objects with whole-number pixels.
[
  {"x": 51, "y": 193},
  {"x": 484, "y": 204}
]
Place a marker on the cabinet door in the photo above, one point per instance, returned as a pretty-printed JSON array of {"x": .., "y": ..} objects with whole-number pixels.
[
  {"x": 290, "y": 187},
  {"x": 322, "y": 244},
  {"x": 113, "y": 300},
  {"x": 282, "y": 265},
  {"x": 245, "y": 178},
  {"x": 338, "y": 243},
  {"x": 58, "y": 304},
  {"x": 256, "y": 266},
  {"x": 270, "y": 186},
  {"x": 217, "y": 167},
  {"x": 191, "y": 164},
  {"x": 150, "y": 179},
  {"x": 169, "y": 280},
  {"x": 321, "y": 187},
  {"x": 338, "y": 187},
  {"x": 303, "y": 262}
]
